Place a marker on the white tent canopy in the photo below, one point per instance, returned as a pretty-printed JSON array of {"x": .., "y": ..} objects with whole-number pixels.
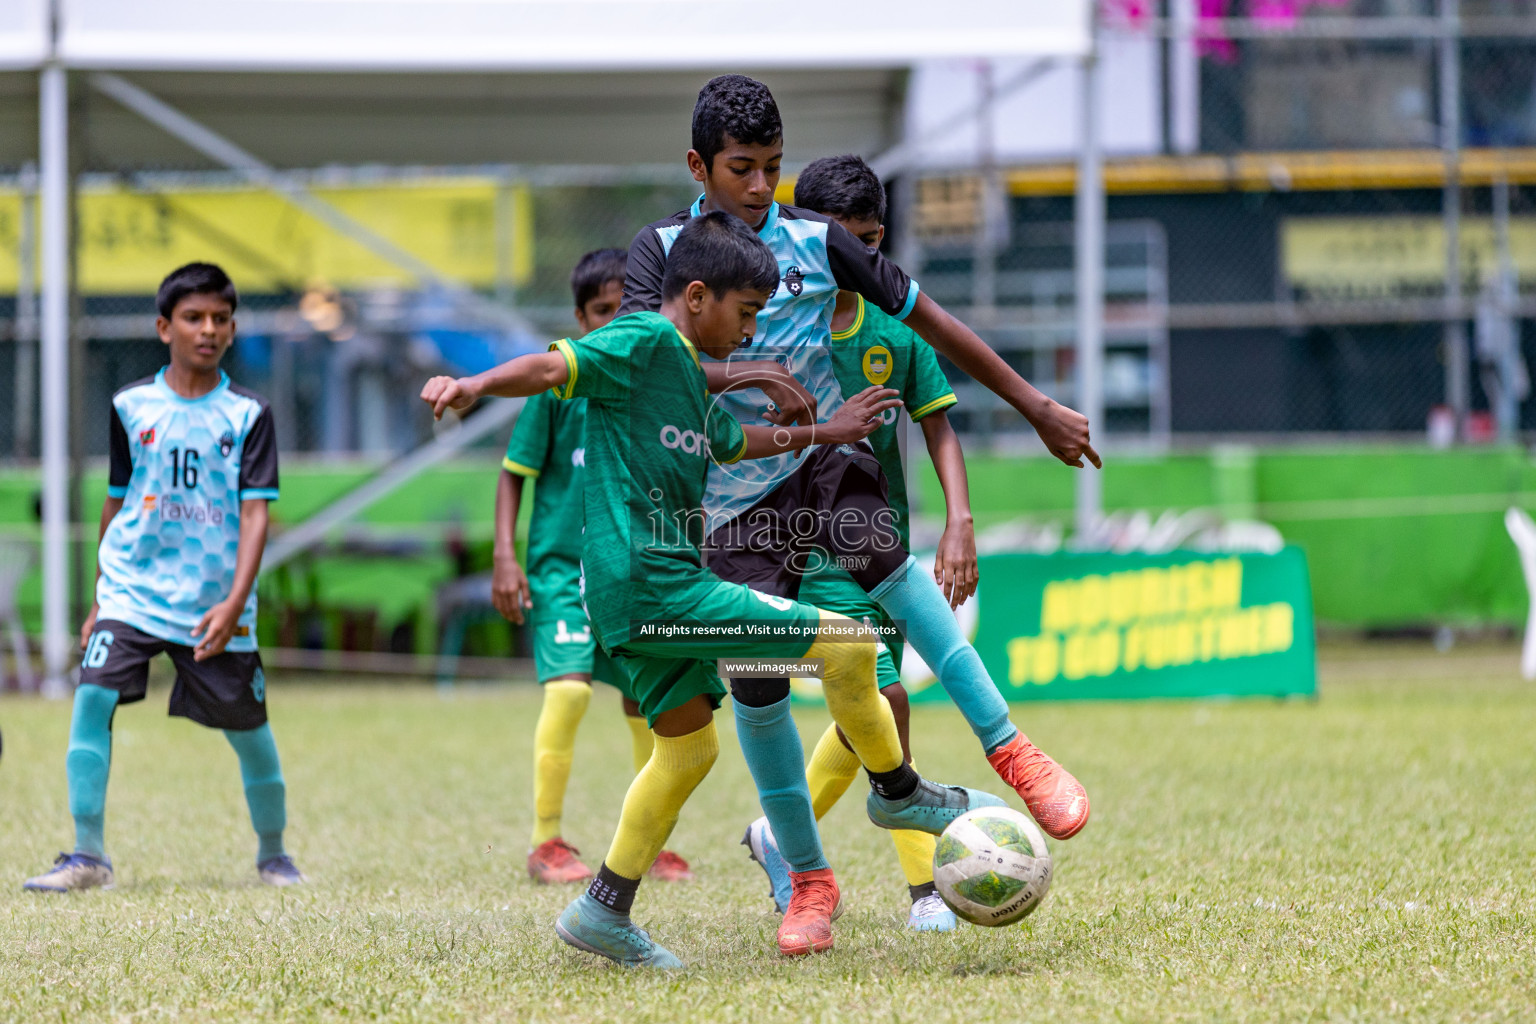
[{"x": 525, "y": 35}]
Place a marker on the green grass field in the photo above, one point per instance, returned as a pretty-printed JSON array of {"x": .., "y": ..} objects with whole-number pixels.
[{"x": 1367, "y": 857}]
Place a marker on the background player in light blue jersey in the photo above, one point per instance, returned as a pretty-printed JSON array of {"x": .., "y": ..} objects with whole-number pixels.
[{"x": 193, "y": 465}]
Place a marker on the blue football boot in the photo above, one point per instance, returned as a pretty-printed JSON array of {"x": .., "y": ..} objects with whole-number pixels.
[
  {"x": 764, "y": 851},
  {"x": 587, "y": 924},
  {"x": 930, "y": 808}
]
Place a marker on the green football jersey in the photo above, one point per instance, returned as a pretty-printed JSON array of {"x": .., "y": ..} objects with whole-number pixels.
[
  {"x": 651, "y": 435},
  {"x": 877, "y": 349},
  {"x": 546, "y": 447}
]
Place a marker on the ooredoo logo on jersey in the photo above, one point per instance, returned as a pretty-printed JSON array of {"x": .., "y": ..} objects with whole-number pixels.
[{"x": 690, "y": 442}]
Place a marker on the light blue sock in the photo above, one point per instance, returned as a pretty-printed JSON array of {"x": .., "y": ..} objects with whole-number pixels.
[
  {"x": 87, "y": 764},
  {"x": 265, "y": 793},
  {"x": 915, "y": 602},
  {"x": 771, "y": 744}
]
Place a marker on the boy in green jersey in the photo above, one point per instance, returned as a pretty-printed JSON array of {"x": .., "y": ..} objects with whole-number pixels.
[
  {"x": 871, "y": 347},
  {"x": 547, "y": 446},
  {"x": 652, "y": 431}
]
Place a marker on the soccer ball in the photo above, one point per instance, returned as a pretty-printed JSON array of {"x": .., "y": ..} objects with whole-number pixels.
[{"x": 992, "y": 867}]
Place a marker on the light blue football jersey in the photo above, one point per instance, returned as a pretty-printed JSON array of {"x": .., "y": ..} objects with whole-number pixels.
[
  {"x": 816, "y": 257},
  {"x": 182, "y": 466}
]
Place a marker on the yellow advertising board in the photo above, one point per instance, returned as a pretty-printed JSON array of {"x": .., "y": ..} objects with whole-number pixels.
[
  {"x": 1342, "y": 258},
  {"x": 129, "y": 239}
]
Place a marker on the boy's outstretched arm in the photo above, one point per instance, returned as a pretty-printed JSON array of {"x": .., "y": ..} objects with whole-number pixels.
[
  {"x": 509, "y": 584},
  {"x": 1064, "y": 430},
  {"x": 516, "y": 378},
  {"x": 218, "y": 623},
  {"x": 954, "y": 566},
  {"x": 109, "y": 508}
]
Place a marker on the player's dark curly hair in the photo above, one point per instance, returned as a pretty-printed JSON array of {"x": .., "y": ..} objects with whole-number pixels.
[
  {"x": 594, "y": 270},
  {"x": 737, "y": 107},
  {"x": 841, "y": 186},
  {"x": 724, "y": 253},
  {"x": 195, "y": 279}
]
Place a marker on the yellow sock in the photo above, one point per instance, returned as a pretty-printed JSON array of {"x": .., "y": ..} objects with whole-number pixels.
[
  {"x": 853, "y": 695},
  {"x": 832, "y": 769},
  {"x": 554, "y": 743},
  {"x": 640, "y": 740},
  {"x": 915, "y": 852},
  {"x": 656, "y": 797}
]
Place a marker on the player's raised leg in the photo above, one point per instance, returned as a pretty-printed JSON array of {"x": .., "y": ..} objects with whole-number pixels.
[
  {"x": 866, "y": 541},
  {"x": 1053, "y": 795},
  {"x": 833, "y": 767}
]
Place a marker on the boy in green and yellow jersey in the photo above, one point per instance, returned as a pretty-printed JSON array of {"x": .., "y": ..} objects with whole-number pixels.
[{"x": 548, "y": 446}]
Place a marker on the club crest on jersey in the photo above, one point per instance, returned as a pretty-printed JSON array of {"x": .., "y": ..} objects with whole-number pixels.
[
  {"x": 147, "y": 436},
  {"x": 226, "y": 444},
  {"x": 794, "y": 280},
  {"x": 877, "y": 364}
]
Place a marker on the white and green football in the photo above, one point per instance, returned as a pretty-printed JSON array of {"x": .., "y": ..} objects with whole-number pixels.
[{"x": 992, "y": 866}]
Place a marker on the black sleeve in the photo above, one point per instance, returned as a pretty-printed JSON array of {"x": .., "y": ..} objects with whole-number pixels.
[
  {"x": 120, "y": 464},
  {"x": 258, "y": 459},
  {"x": 642, "y": 275},
  {"x": 858, "y": 268}
]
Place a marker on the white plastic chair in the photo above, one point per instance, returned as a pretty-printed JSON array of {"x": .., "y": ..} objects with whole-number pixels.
[
  {"x": 15, "y": 561},
  {"x": 1522, "y": 530}
]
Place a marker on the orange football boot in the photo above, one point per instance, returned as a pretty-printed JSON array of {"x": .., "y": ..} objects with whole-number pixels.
[
  {"x": 669, "y": 867},
  {"x": 554, "y": 861},
  {"x": 814, "y": 902},
  {"x": 1055, "y": 799}
]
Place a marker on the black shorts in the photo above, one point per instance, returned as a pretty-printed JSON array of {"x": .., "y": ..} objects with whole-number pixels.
[
  {"x": 769, "y": 547},
  {"x": 228, "y": 691}
]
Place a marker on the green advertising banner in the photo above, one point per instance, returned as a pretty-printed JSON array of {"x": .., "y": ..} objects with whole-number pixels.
[{"x": 1082, "y": 626}]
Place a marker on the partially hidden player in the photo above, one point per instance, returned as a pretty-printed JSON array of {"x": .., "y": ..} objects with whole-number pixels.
[
  {"x": 766, "y": 519},
  {"x": 193, "y": 466},
  {"x": 871, "y": 347},
  {"x": 547, "y": 447},
  {"x": 651, "y": 435}
]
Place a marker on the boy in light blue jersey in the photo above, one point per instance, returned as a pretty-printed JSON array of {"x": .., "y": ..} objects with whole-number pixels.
[
  {"x": 871, "y": 347},
  {"x": 193, "y": 466}
]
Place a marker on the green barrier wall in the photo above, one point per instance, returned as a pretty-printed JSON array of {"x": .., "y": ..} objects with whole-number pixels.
[{"x": 1393, "y": 535}]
